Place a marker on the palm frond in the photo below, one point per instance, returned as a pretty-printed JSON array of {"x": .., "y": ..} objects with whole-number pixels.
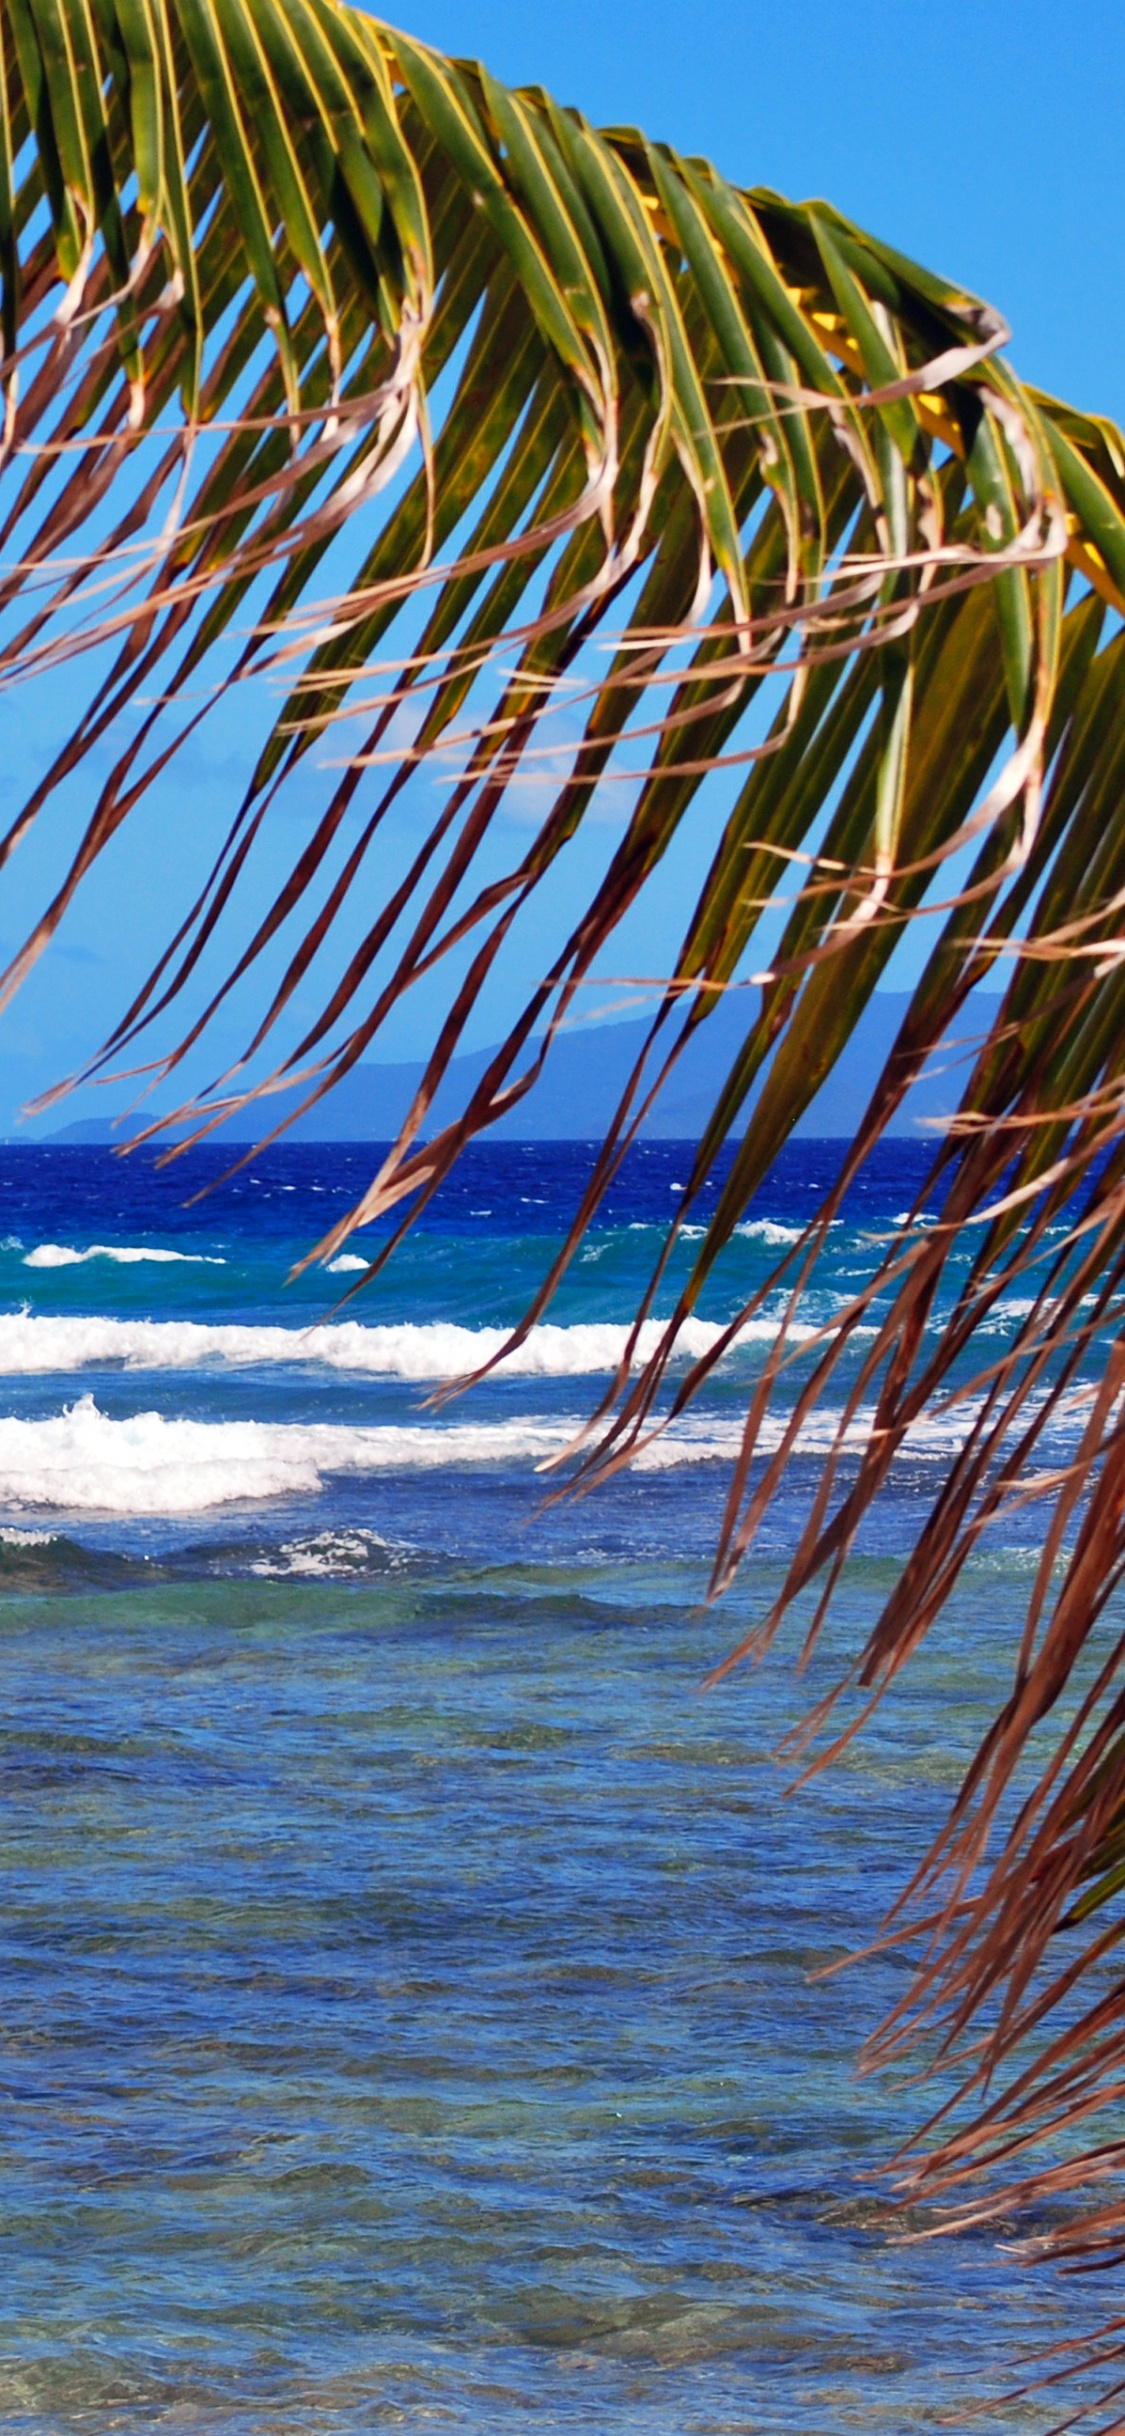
[{"x": 562, "y": 465}]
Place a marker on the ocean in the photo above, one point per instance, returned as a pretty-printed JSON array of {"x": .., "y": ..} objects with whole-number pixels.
[{"x": 407, "y": 2010}]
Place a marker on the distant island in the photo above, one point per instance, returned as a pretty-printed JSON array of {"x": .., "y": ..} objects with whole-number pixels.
[{"x": 586, "y": 1073}]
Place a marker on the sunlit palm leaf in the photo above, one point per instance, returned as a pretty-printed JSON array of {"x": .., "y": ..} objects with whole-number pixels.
[{"x": 329, "y": 359}]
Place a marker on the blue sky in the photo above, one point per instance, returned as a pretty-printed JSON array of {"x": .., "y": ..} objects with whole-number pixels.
[{"x": 985, "y": 141}]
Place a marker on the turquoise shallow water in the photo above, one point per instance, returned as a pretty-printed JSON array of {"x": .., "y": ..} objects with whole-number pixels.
[
  {"x": 407, "y": 2018},
  {"x": 406, "y": 2009}
]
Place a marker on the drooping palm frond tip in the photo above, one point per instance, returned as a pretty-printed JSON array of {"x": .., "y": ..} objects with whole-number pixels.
[{"x": 544, "y": 457}]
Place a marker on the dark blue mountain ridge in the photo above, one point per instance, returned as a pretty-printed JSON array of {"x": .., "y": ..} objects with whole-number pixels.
[{"x": 587, "y": 1071}]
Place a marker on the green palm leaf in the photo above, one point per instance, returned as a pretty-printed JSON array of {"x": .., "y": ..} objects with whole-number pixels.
[{"x": 329, "y": 361}]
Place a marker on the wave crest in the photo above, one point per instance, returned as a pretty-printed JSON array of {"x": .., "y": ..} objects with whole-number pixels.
[
  {"x": 83, "y": 1461},
  {"x": 34, "y": 1343},
  {"x": 127, "y": 1255}
]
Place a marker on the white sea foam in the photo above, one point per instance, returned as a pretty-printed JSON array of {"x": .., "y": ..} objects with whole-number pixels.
[
  {"x": 82, "y": 1461},
  {"x": 34, "y": 1343},
  {"x": 65, "y": 1256},
  {"x": 327, "y": 1554},
  {"x": 768, "y": 1230},
  {"x": 347, "y": 1260}
]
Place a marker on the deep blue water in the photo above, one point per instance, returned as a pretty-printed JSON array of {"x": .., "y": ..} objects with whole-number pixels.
[{"x": 406, "y": 2006}]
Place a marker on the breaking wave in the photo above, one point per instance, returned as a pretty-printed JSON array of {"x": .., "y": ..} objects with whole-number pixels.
[
  {"x": 64, "y": 1256},
  {"x": 35, "y": 1343},
  {"x": 83, "y": 1461}
]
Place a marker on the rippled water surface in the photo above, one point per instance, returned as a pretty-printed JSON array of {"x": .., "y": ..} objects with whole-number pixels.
[{"x": 406, "y": 2008}]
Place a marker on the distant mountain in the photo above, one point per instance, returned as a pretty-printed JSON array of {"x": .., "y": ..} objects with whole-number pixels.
[{"x": 587, "y": 1072}]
